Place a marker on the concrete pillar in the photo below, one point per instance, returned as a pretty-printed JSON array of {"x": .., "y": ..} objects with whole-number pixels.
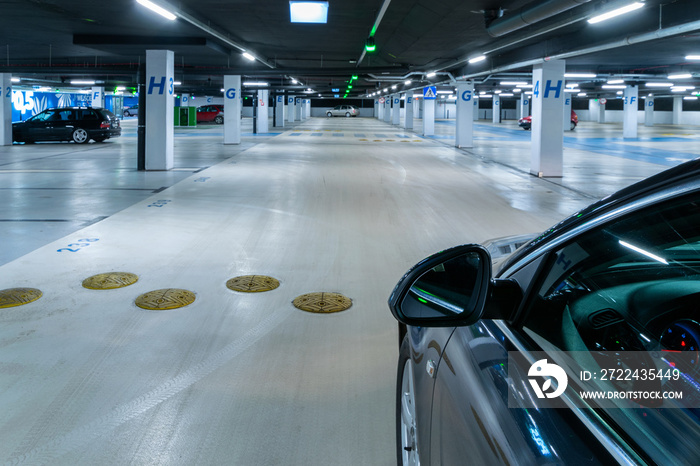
[
  {"x": 233, "y": 105},
  {"x": 387, "y": 109},
  {"x": 380, "y": 109},
  {"x": 263, "y": 111},
  {"x": 464, "y": 124},
  {"x": 547, "y": 131},
  {"x": 649, "y": 110},
  {"x": 279, "y": 111},
  {"x": 98, "y": 97},
  {"x": 428, "y": 117},
  {"x": 291, "y": 110},
  {"x": 184, "y": 100},
  {"x": 376, "y": 109},
  {"x": 629, "y": 116},
  {"x": 476, "y": 108},
  {"x": 593, "y": 109},
  {"x": 677, "y": 109},
  {"x": 396, "y": 109},
  {"x": 496, "y": 113},
  {"x": 160, "y": 102},
  {"x": 308, "y": 108},
  {"x": 297, "y": 109},
  {"x": 6, "y": 109},
  {"x": 408, "y": 111},
  {"x": 567, "y": 112},
  {"x": 601, "y": 110}
]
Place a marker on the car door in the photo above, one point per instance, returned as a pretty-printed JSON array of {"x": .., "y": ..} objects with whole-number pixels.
[
  {"x": 36, "y": 127},
  {"x": 60, "y": 125},
  {"x": 472, "y": 421}
]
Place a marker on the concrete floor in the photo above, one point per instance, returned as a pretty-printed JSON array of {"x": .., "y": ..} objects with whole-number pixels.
[{"x": 342, "y": 205}]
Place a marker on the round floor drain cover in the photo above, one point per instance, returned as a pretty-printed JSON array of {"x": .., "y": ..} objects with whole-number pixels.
[
  {"x": 322, "y": 303},
  {"x": 110, "y": 281},
  {"x": 252, "y": 283},
  {"x": 169, "y": 298},
  {"x": 12, "y": 297}
]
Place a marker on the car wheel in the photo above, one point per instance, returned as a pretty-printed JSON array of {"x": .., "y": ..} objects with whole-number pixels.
[
  {"x": 573, "y": 126},
  {"x": 406, "y": 434},
  {"x": 219, "y": 120},
  {"x": 329, "y": 114},
  {"x": 347, "y": 114},
  {"x": 80, "y": 136},
  {"x": 126, "y": 113}
]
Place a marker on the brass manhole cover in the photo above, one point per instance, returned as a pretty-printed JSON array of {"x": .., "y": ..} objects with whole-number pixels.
[
  {"x": 110, "y": 281},
  {"x": 252, "y": 283},
  {"x": 322, "y": 303},
  {"x": 168, "y": 298},
  {"x": 12, "y": 297}
]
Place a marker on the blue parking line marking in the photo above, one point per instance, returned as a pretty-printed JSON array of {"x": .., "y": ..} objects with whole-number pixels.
[
  {"x": 316, "y": 134},
  {"x": 359, "y": 135},
  {"x": 295, "y": 134},
  {"x": 339, "y": 135}
]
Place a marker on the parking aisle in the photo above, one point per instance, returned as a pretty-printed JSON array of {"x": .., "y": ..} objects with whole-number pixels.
[{"x": 89, "y": 377}]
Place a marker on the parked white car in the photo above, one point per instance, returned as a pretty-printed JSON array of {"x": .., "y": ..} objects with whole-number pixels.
[{"x": 343, "y": 110}]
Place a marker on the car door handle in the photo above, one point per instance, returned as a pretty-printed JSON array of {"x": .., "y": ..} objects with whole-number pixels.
[{"x": 430, "y": 367}]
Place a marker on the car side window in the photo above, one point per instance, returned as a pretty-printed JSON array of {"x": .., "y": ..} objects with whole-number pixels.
[
  {"x": 87, "y": 115},
  {"x": 632, "y": 285}
]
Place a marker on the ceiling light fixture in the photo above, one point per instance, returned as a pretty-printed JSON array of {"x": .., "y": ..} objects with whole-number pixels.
[
  {"x": 581, "y": 94},
  {"x": 308, "y": 12},
  {"x": 477, "y": 59},
  {"x": 620, "y": 11},
  {"x": 679, "y": 76},
  {"x": 692, "y": 57},
  {"x": 407, "y": 82},
  {"x": 248, "y": 56},
  {"x": 251, "y": 83},
  {"x": 370, "y": 45},
  {"x": 659, "y": 84},
  {"x": 616, "y": 81},
  {"x": 431, "y": 74},
  {"x": 158, "y": 9},
  {"x": 613, "y": 86},
  {"x": 16, "y": 80},
  {"x": 83, "y": 82},
  {"x": 690, "y": 97},
  {"x": 580, "y": 75},
  {"x": 513, "y": 83}
]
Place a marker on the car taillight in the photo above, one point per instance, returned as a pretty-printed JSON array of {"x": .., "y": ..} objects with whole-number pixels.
[{"x": 104, "y": 125}]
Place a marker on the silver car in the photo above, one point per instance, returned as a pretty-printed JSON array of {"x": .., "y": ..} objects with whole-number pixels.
[
  {"x": 131, "y": 111},
  {"x": 343, "y": 110},
  {"x": 580, "y": 347}
]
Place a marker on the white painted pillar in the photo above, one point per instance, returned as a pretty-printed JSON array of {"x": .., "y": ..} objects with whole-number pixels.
[
  {"x": 396, "y": 109},
  {"x": 302, "y": 113},
  {"x": 98, "y": 97},
  {"x": 629, "y": 112},
  {"x": 408, "y": 111},
  {"x": 496, "y": 112},
  {"x": 376, "y": 109},
  {"x": 475, "y": 111},
  {"x": 525, "y": 106},
  {"x": 428, "y": 117},
  {"x": 567, "y": 112},
  {"x": 6, "y": 109},
  {"x": 279, "y": 111},
  {"x": 649, "y": 110},
  {"x": 380, "y": 110},
  {"x": 160, "y": 102},
  {"x": 464, "y": 124},
  {"x": 593, "y": 108},
  {"x": 291, "y": 109},
  {"x": 184, "y": 100},
  {"x": 233, "y": 105},
  {"x": 263, "y": 111},
  {"x": 677, "y": 109},
  {"x": 297, "y": 109},
  {"x": 547, "y": 132},
  {"x": 387, "y": 109},
  {"x": 308, "y": 108},
  {"x": 601, "y": 111}
]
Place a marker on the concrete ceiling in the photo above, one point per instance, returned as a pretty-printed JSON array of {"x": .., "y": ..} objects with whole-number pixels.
[{"x": 53, "y": 41}]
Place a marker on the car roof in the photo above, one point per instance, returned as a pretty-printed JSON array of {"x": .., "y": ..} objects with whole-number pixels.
[{"x": 688, "y": 171}]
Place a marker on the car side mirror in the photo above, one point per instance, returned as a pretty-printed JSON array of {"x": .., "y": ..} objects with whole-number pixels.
[{"x": 453, "y": 288}]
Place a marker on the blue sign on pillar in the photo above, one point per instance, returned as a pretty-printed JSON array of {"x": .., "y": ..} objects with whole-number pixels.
[
  {"x": 233, "y": 104},
  {"x": 430, "y": 93}
]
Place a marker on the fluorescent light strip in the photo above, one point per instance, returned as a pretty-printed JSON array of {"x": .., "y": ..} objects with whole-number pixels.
[
  {"x": 160, "y": 10},
  {"x": 692, "y": 57},
  {"x": 617, "y": 12},
  {"x": 616, "y": 81},
  {"x": 659, "y": 84},
  {"x": 248, "y": 56},
  {"x": 643, "y": 252},
  {"x": 477, "y": 59},
  {"x": 82, "y": 82},
  {"x": 513, "y": 83},
  {"x": 580, "y": 75},
  {"x": 680, "y": 76},
  {"x": 255, "y": 84},
  {"x": 613, "y": 86}
]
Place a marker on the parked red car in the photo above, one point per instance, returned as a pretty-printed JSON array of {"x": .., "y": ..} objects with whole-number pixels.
[
  {"x": 526, "y": 122},
  {"x": 209, "y": 113}
]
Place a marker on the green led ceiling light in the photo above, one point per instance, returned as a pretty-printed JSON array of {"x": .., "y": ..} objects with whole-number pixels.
[{"x": 370, "y": 46}]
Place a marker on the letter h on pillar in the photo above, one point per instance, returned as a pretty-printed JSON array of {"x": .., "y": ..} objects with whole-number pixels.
[{"x": 160, "y": 86}]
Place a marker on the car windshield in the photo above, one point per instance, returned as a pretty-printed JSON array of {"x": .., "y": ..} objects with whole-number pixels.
[{"x": 43, "y": 116}]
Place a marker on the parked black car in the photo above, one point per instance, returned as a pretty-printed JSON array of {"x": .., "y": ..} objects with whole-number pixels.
[
  {"x": 614, "y": 288},
  {"x": 77, "y": 124}
]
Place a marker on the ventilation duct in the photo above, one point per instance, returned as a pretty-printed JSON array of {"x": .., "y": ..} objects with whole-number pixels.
[{"x": 530, "y": 14}]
